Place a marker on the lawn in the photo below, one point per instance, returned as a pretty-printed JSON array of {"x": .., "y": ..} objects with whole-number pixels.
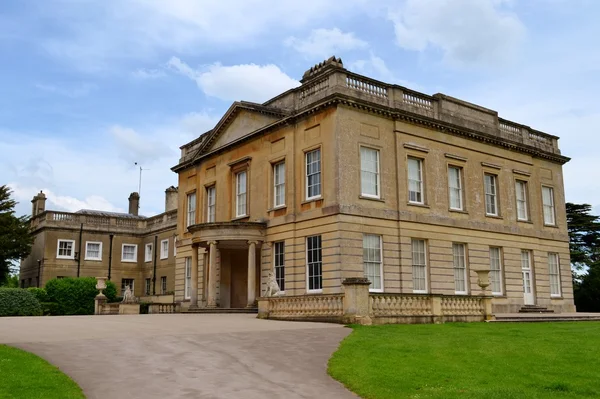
[
  {"x": 471, "y": 360},
  {"x": 24, "y": 375}
]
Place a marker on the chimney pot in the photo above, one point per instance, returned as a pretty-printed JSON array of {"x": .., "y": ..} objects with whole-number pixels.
[{"x": 134, "y": 204}]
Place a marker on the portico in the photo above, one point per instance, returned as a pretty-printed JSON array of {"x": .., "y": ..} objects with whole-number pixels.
[{"x": 230, "y": 265}]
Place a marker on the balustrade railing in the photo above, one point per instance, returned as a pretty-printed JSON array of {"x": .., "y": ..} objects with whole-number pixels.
[
  {"x": 417, "y": 101},
  {"x": 400, "y": 305},
  {"x": 462, "y": 306},
  {"x": 313, "y": 88},
  {"x": 307, "y": 306},
  {"x": 366, "y": 86}
]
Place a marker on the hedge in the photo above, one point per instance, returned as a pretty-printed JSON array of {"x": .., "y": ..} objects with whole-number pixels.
[
  {"x": 39, "y": 294},
  {"x": 18, "y": 302},
  {"x": 75, "y": 296}
]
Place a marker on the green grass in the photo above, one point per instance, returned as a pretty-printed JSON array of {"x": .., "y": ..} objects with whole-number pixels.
[
  {"x": 24, "y": 375},
  {"x": 471, "y": 360}
]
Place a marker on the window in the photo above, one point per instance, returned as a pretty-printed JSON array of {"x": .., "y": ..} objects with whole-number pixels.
[
  {"x": 65, "y": 249},
  {"x": 191, "y": 209},
  {"x": 127, "y": 282},
  {"x": 521, "y": 194},
  {"x": 129, "y": 253},
  {"x": 369, "y": 172},
  {"x": 279, "y": 184},
  {"x": 415, "y": 181},
  {"x": 548, "y": 200},
  {"x": 419, "y": 266},
  {"x": 93, "y": 250},
  {"x": 279, "y": 264},
  {"x": 491, "y": 195},
  {"x": 496, "y": 270},
  {"x": 148, "y": 253},
  {"x": 314, "y": 263},
  {"x": 240, "y": 194},
  {"x": 164, "y": 249},
  {"x": 455, "y": 188},
  {"x": 372, "y": 263},
  {"x": 525, "y": 259},
  {"x": 460, "y": 268},
  {"x": 163, "y": 285},
  {"x": 148, "y": 286},
  {"x": 313, "y": 174},
  {"x": 554, "y": 271},
  {"x": 188, "y": 278},
  {"x": 211, "y": 208}
]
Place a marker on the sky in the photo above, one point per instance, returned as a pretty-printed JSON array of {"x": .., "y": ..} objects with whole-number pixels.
[{"x": 90, "y": 87}]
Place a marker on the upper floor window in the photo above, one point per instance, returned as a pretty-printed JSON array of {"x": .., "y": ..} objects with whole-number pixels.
[
  {"x": 455, "y": 190},
  {"x": 93, "y": 250},
  {"x": 164, "y": 249},
  {"x": 313, "y": 174},
  {"x": 129, "y": 253},
  {"x": 521, "y": 196},
  {"x": 496, "y": 270},
  {"x": 548, "y": 200},
  {"x": 415, "y": 181},
  {"x": 372, "y": 261},
  {"x": 211, "y": 201},
  {"x": 369, "y": 172},
  {"x": 491, "y": 194},
  {"x": 279, "y": 184},
  {"x": 554, "y": 271},
  {"x": 148, "y": 253},
  {"x": 240, "y": 193},
  {"x": 65, "y": 249},
  {"x": 191, "y": 209}
]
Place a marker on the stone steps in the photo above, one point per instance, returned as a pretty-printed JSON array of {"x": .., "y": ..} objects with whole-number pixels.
[
  {"x": 543, "y": 318},
  {"x": 534, "y": 309},
  {"x": 221, "y": 310}
]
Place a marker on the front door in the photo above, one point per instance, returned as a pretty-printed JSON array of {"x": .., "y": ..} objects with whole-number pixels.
[{"x": 528, "y": 295}]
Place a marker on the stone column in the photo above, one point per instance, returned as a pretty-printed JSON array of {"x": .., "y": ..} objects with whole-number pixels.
[
  {"x": 251, "y": 273},
  {"x": 211, "y": 300},
  {"x": 356, "y": 301},
  {"x": 194, "y": 288}
]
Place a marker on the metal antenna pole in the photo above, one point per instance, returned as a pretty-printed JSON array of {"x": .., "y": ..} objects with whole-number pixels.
[{"x": 140, "y": 184}]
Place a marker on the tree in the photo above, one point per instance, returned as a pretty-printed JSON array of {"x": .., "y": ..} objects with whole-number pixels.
[
  {"x": 584, "y": 245},
  {"x": 15, "y": 236}
]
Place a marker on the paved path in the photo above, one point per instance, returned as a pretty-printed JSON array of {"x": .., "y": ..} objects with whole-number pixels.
[{"x": 184, "y": 356}]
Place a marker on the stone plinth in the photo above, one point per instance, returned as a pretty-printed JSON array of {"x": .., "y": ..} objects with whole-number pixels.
[
  {"x": 356, "y": 300},
  {"x": 129, "y": 308}
]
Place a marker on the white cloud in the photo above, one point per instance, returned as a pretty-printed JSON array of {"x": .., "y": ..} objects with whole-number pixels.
[
  {"x": 468, "y": 32},
  {"x": 248, "y": 82},
  {"x": 135, "y": 147},
  {"x": 323, "y": 43},
  {"x": 375, "y": 67},
  {"x": 148, "y": 74}
]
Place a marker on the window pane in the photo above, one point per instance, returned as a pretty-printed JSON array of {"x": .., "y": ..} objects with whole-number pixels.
[
  {"x": 455, "y": 187},
  {"x": 458, "y": 251},
  {"x": 491, "y": 200},
  {"x": 313, "y": 173},
  {"x": 191, "y": 209},
  {"x": 210, "y": 204},
  {"x": 419, "y": 266},
  {"x": 279, "y": 260},
  {"x": 314, "y": 264},
  {"x": 415, "y": 180},
  {"x": 495, "y": 270},
  {"x": 241, "y": 194},
  {"x": 554, "y": 272},
  {"x": 369, "y": 167},
  {"x": 372, "y": 260},
  {"x": 548, "y": 200},
  {"x": 521, "y": 194},
  {"x": 279, "y": 184}
]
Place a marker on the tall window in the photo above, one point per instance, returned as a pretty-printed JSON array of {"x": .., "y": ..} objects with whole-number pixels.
[
  {"x": 93, "y": 250},
  {"x": 314, "y": 259},
  {"x": 521, "y": 194},
  {"x": 415, "y": 181},
  {"x": 313, "y": 174},
  {"x": 496, "y": 270},
  {"x": 127, "y": 282},
  {"x": 164, "y": 249},
  {"x": 460, "y": 268},
  {"x": 148, "y": 252},
  {"x": 148, "y": 286},
  {"x": 163, "y": 285},
  {"x": 191, "y": 209},
  {"x": 211, "y": 200},
  {"x": 279, "y": 264},
  {"x": 240, "y": 194},
  {"x": 279, "y": 184},
  {"x": 188, "y": 278},
  {"x": 65, "y": 249},
  {"x": 372, "y": 261},
  {"x": 455, "y": 188},
  {"x": 369, "y": 172},
  {"x": 554, "y": 271},
  {"x": 129, "y": 253},
  {"x": 525, "y": 259},
  {"x": 548, "y": 199},
  {"x": 419, "y": 266},
  {"x": 491, "y": 194}
]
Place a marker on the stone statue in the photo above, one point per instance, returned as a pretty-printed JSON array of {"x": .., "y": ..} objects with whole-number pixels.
[
  {"x": 128, "y": 296},
  {"x": 272, "y": 286}
]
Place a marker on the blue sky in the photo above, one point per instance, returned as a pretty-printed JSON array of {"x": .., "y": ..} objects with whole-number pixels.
[{"x": 90, "y": 87}]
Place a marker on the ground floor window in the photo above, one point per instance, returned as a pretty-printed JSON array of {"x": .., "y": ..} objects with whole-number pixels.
[
  {"x": 554, "y": 270},
  {"x": 314, "y": 258},
  {"x": 148, "y": 284},
  {"x": 496, "y": 270},
  {"x": 126, "y": 282},
  {"x": 188, "y": 278},
  {"x": 372, "y": 263},
  {"x": 279, "y": 264},
  {"x": 163, "y": 285},
  {"x": 419, "y": 266},
  {"x": 460, "y": 268}
]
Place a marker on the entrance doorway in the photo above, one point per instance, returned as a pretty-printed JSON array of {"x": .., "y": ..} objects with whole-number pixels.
[
  {"x": 233, "y": 282},
  {"x": 528, "y": 294}
]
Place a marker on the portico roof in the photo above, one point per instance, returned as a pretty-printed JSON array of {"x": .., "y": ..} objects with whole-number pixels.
[{"x": 227, "y": 231}]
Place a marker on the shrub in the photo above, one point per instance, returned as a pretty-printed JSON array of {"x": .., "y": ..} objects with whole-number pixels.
[
  {"x": 144, "y": 307},
  {"x": 39, "y": 294},
  {"x": 49, "y": 308},
  {"x": 75, "y": 296},
  {"x": 18, "y": 302}
]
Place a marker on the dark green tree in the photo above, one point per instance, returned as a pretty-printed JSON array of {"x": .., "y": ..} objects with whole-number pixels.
[
  {"x": 15, "y": 236},
  {"x": 584, "y": 244}
]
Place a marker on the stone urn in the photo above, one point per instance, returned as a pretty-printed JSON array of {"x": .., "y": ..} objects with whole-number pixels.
[
  {"x": 101, "y": 285},
  {"x": 483, "y": 280}
]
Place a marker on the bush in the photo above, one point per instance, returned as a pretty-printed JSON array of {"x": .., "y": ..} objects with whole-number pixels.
[
  {"x": 75, "y": 296},
  {"x": 49, "y": 308},
  {"x": 18, "y": 302},
  {"x": 116, "y": 299},
  {"x": 144, "y": 306},
  {"x": 39, "y": 294}
]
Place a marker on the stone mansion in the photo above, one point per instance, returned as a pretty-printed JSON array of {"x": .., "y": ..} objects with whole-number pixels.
[{"x": 342, "y": 177}]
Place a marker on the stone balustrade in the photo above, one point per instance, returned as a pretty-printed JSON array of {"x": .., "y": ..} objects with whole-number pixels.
[
  {"x": 400, "y": 305},
  {"x": 160, "y": 308},
  {"x": 306, "y": 307}
]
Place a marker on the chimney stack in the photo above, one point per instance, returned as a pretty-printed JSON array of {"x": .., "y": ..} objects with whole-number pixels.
[
  {"x": 170, "y": 199},
  {"x": 38, "y": 204},
  {"x": 134, "y": 203}
]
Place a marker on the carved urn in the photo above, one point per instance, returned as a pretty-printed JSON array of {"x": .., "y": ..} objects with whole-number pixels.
[
  {"x": 100, "y": 284},
  {"x": 483, "y": 280}
]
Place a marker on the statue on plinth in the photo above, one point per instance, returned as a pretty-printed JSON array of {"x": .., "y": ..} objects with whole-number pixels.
[
  {"x": 272, "y": 286},
  {"x": 128, "y": 296}
]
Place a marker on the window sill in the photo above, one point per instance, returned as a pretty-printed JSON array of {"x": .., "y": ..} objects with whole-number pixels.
[
  {"x": 238, "y": 218},
  {"x": 458, "y": 211},
  {"x": 93, "y": 259},
  {"x": 366, "y": 197},
  {"x": 552, "y": 226},
  {"x": 276, "y": 208},
  {"x": 556, "y": 297},
  {"x": 375, "y": 291},
  {"x": 311, "y": 200},
  {"x": 460, "y": 293},
  {"x": 493, "y": 216},
  {"x": 524, "y": 221},
  {"x": 65, "y": 257},
  {"x": 417, "y": 204},
  {"x": 314, "y": 291},
  {"x": 166, "y": 257},
  {"x": 128, "y": 261},
  {"x": 420, "y": 292}
]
